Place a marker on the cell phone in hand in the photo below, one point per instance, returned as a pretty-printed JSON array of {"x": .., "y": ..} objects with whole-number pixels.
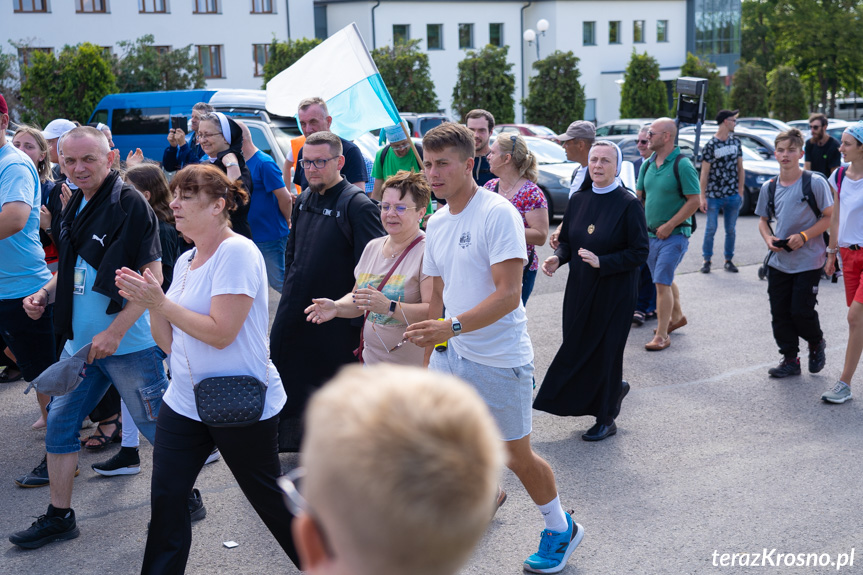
[
  {"x": 179, "y": 123},
  {"x": 782, "y": 244}
]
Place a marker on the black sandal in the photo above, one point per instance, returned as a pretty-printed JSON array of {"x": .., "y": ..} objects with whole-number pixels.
[
  {"x": 102, "y": 439},
  {"x": 10, "y": 375},
  {"x": 638, "y": 318}
]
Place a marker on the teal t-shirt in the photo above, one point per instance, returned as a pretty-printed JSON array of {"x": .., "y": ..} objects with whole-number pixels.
[
  {"x": 392, "y": 164},
  {"x": 662, "y": 197}
]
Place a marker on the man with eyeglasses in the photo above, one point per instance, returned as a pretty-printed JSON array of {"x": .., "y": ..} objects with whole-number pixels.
[
  {"x": 313, "y": 117},
  {"x": 372, "y": 436},
  {"x": 332, "y": 222},
  {"x": 395, "y": 156},
  {"x": 722, "y": 178},
  {"x": 671, "y": 198},
  {"x": 821, "y": 152}
]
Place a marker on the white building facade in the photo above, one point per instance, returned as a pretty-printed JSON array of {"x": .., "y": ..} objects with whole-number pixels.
[{"x": 229, "y": 36}]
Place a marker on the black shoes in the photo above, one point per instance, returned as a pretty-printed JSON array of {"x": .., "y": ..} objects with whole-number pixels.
[
  {"x": 705, "y": 269},
  {"x": 39, "y": 476},
  {"x": 785, "y": 368},
  {"x": 600, "y": 431},
  {"x": 730, "y": 267},
  {"x": 124, "y": 462},
  {"x": 817, "y": 356},
  {"x": 196, "y": 506},
  {"x": 46, "y": 529}
]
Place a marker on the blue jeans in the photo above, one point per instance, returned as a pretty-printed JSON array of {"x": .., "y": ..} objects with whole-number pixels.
[
  {"x": 138, "y": 376},
  {"x": 730, "y": 209},
  {"x": 274, "y": 258},
  {"x": 528, "y": 279},
  {"x": 646, "y": 291}
]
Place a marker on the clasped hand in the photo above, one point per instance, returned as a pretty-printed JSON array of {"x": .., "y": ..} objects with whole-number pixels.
[{"x": 145, "y": 290}]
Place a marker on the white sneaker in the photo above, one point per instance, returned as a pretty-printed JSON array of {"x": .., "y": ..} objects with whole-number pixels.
[
  {"x": 214, "y": 456},
  {"x": 840, "y": 393}
]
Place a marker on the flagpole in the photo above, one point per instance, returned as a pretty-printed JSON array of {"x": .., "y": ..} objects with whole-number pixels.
[{"x": 413, "y": 146}]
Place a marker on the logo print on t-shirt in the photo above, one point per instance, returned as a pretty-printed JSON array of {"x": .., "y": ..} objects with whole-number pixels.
[{"x": 464, "y": 240}]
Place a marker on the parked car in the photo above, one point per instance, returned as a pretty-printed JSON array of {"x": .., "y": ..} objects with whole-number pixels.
[
  {"x": 419, "y": 124},
  {"x": 834, "y": 127},
  {"x": 623, "y": 127},
  {"x": 143, "y": 119},
  {"x": 768, "y": 124},
  {"x": 525, "y": 130},
  {"x": 759, "y": 141},
  {"x": 757, "y": 170}
]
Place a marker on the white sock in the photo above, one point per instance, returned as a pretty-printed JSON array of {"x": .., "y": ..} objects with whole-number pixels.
[
  {"x": 130, "y": 430},
  {"x": 555, "y": 518}
]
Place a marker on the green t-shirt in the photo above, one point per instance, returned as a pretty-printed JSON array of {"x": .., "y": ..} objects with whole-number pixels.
[
  {"x": 663, "y": 199},
  {"x": 392, "y": 164}
]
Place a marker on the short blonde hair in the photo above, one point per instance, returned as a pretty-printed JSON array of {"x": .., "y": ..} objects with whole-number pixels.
[
  {"x": 313, "y": 101},
  {"x": 403, "y": 467}
]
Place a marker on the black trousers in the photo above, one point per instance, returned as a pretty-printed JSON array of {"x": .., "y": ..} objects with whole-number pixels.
[
  {"x": 182, "y": 445},
  {"x": 792, "y": 304}
]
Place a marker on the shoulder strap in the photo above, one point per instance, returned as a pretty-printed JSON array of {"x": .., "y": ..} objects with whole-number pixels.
[
  {"x": 840, "y": 175},
  {"x": 677, "y": 175},
  {"x": 771, "y": 198},
  {"x": 497, "y": 186},
  {"x": 808, "y": 195},
  {"x": 340, "y": 213},
  {"x": 384, "y": 155}
]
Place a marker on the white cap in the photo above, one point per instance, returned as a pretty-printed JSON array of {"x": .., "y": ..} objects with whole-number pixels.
[{"x": 57, "y": 128}]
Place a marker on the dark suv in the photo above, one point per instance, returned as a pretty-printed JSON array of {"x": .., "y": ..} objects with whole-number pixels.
[{"x": 419, "y": 124}]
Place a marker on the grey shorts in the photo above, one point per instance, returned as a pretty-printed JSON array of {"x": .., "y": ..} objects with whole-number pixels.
[{"x": 507, "y": 391}]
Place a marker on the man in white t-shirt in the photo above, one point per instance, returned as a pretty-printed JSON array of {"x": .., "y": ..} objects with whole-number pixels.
[{"x": 475, "y": 252}]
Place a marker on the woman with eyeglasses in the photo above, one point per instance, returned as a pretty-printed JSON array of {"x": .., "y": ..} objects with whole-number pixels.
[
  {"x": 221, "y": 138},
  {"x": 515, "y": 167},
  {"x": 397, "y": 258}
]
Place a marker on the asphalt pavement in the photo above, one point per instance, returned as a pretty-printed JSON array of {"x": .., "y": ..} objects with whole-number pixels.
[{"x": 712, "y": 457}]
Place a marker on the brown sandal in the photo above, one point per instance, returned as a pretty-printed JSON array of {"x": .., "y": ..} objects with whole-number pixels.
[{"x": 658, "y": 346}]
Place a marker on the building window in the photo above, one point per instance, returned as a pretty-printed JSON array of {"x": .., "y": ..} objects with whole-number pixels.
[
  {"x": 92, "y": 6},
  {"x": 614, "y": 32},
  {"x": 401, "y": 33},
  {"x": 31, "y": 5},
  {"x": 717, "y": 27},
  {"x": 590, "y": 110},
  {"x": 206, "y": 6},
  {"x": 495, "y": 35},
  {"x": 434, "y": 36},
  {"x": 465, "y": 36},
  {"x": 210, "y": 59},
  {"x": 261, "y": 54},
  {"x": 638, "y": 32},
  {"x": 152, "y": 6},
  {"x": 321, "y": 22},
  {"x": 262, "y": 6},
  {"x": 662, "y": 30},
  {"x": 161, "y": 50},
  {"x": 588, "y": 33}
]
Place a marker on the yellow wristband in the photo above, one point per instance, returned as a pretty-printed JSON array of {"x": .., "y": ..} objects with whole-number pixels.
[{"x": 805, "y": 238}]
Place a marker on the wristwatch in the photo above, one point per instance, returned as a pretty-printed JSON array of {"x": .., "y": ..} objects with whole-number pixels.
[
  {"x": 392, "y": 309},
  {"x": 456, "y": 326},
  {"x": 832, "y": 250}
]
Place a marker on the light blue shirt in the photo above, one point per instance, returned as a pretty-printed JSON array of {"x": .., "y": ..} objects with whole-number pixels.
[
  {"x": 22, "y": 264},
  {"x": 89, "y": 317}
]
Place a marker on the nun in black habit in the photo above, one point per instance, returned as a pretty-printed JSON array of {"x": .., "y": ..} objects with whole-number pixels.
[{"x": 604, "y": 240}]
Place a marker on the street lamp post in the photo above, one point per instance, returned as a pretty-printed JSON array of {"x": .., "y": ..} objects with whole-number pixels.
[{"x": 530, "y": 36}]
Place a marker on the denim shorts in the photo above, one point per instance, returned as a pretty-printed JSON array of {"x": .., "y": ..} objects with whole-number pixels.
[
  {"x": 665, "y": 255},
  {"x": 507, "y": 391},
  {"x": 138, "y": 376}
]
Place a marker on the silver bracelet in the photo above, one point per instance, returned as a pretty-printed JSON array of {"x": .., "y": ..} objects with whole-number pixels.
[
  {"x": 232, "y": 164},
  {"x": 832, "y": 250}
]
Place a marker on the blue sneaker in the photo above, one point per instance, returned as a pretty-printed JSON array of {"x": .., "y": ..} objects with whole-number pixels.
[{"x": 555, "y": 549}]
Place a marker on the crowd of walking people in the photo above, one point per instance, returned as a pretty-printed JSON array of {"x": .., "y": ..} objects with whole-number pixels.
[{"x": 135, "y": 294}]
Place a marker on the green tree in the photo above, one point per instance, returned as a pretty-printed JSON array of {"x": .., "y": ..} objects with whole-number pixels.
[
  {"x": 693, "y": 66},
  {"x": 67, "y": 86},
  {"x": 643, "y": 94},
  {"x": 143, "y": 69},
  {"x": 749, "y": 90},
  {"x": 485, "y": 80},
  {"x": 787, "y": 97},
  {"x": 821, "y": 39},
  {"x": 758, "y": 30},
  {"x": 9, "y": 84},
  {"x": 284, "y": 54},
  {"x": 555, "y": 96},
  {"x": 405, "y": 72}
]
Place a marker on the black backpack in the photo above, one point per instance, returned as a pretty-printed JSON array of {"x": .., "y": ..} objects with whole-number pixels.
[
  {"x": 341, "y": 211},
  {"x": 808, "y": 197},
  {"x": 691, "y": 221}
]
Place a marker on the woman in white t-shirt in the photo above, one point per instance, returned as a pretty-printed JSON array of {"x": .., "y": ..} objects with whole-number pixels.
[
  {"x": 846, "y": 233},
  {"x": 405, "y": 297},
  {"x": 214, "y": 321}
]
